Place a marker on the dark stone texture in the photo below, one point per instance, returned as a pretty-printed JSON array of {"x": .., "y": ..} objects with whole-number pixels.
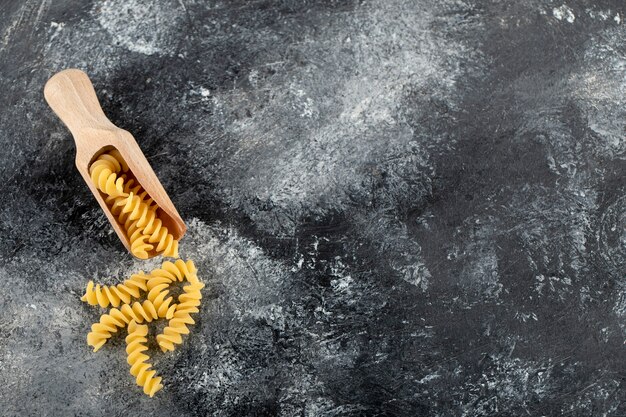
[{"x": 399, "y": 207}]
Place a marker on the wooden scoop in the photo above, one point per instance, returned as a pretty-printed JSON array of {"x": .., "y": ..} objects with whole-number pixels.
[{"x": 72, "y": 97}]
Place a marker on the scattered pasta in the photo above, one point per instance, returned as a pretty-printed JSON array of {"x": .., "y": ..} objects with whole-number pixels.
[{"x": 158, "y": 304}]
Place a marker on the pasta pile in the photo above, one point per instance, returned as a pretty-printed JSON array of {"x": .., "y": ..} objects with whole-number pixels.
[
  {"x": 142, "y": 298},
  {"x": 157, "y": 304},
  {"x": 132, "y": 207}
]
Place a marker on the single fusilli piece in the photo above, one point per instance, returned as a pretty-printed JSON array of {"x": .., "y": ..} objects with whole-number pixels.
[
  {"x": 173, "y": 271},
  {"x": 139, "y": 245},
  {"x": 136, "y": 345},
  {"x": 103, "y": 173},
  {"x": 116, "y": 294},
  {"x": 165, "y": 307},
  {"x": 177, "y": 326},
  {"x": 118, "y": 318}
]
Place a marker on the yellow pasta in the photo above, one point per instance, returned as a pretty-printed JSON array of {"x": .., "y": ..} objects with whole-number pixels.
[
  {"x": 158, "y": 304},
  {"x": 164, "y": 306},
  {"x": 136, "y": 189},
  {"x": 133, "y": 207},
  {"x": 177, "y": 326},
  {"x": 116, "y": 294},
  {"x": 118, "y": 318},
  {"x": 137, "y": 212},
  {"x": 139, "y": 217},
  {"x": 171, "y": 272},
  {"x": 139, "y": 245},
  {"x": 136, "y": 345},
  {"x": 104, "y": 174},
  {"x": 127, "y": 186}
]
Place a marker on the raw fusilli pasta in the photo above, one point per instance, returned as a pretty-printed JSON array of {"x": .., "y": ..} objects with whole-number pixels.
[
  {"x": 158, "y": 304},
  {"x": 133, "y": 207},
  {"x": 104, "y": 174},
  {"x": 177, "y": 326},
  {"x": 173, "y": 271},
  {"x": 114, "y": 294},
  {"x": 164, "y": 306},
  {"x": 109, "y": 323},
  {"x": 139, "y": 367}
]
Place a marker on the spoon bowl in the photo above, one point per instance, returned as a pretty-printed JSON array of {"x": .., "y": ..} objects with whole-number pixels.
[{"x": 72, "y": 97}]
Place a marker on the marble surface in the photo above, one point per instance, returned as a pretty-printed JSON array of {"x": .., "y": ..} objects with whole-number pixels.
[{"x": 411, "y": 208}]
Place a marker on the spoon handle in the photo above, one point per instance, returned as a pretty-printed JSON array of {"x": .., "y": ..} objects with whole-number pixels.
[{"x": 71, "y": 95}]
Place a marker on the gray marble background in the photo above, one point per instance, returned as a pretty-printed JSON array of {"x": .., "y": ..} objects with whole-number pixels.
[{"x": 399, "y": 207}]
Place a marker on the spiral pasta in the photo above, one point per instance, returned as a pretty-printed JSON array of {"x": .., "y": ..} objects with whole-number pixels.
[
  {"x": 158, "y": 304},
  {"x": 139, "y": 245},
  {"x": 136, "y": 189},
  {"x": 127, "y": 186},
  {"x": 171, "y": 272},
  {"x": 118, "y": 318},
  {"x": 116, "y": 294},
  {"x": 136, "y": 345},
  {"x": 164, "y": 306},
  {"x": 133, "y": 208},
  {"x": 103, "y": 173},
  {"x": 177, "y": 326},
  {"x": 139, "y": 217}
]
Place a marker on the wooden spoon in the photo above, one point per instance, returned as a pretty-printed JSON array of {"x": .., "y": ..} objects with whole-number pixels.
[{"x": 72, "y": 97}]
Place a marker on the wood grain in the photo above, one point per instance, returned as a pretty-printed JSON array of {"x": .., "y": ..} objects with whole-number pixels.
[{"x": 71, "y": 95}]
